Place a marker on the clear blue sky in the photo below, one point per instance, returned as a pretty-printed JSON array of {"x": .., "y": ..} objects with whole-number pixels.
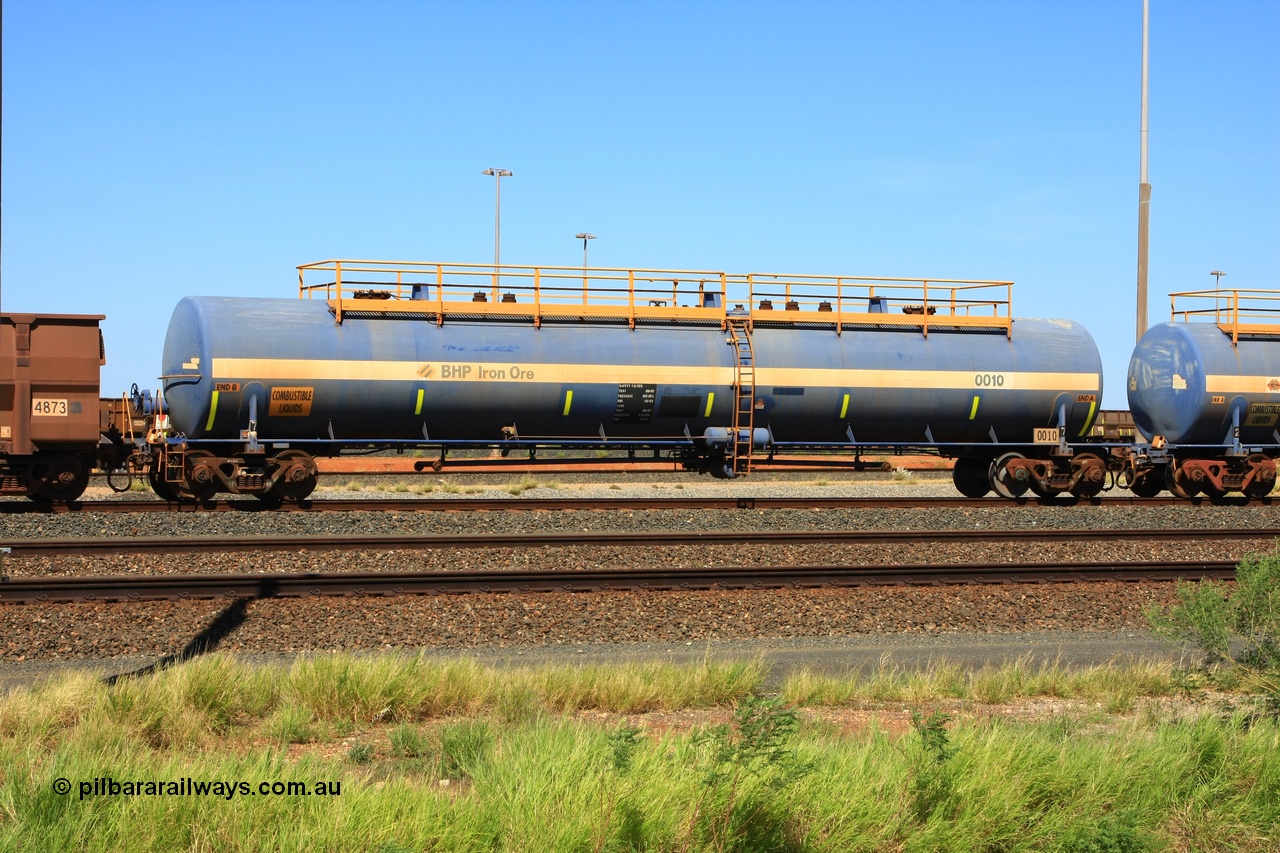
[{"x": 153, "y": 150}]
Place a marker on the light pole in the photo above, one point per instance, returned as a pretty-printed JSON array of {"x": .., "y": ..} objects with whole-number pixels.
[
  {"x": 584, "y": 237},
  {"x": 1144, "y": 189},
  {"x": 1217, "y": 297},
  {"x": 497, "y": 175}
]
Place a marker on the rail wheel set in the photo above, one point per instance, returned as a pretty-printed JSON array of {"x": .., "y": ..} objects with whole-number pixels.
[{"x": 713, "y": 370}]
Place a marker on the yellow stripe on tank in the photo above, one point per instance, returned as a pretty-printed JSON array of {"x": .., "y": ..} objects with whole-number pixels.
[
  {"x": 844, "y": 407},
  {"x": 213, "y": 410},
  {"x": 973, "y": 411},
  {"x": 928, "y": 379},
  {"x": 1227, "y": 384},
  {"x": 568, "y": 401},
  {"x": 303, "y": 370},
  {"x": 417, "y": 410},
  {"x": 711, "y": 398}
]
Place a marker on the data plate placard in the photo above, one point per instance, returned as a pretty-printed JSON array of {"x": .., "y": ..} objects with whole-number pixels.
[
  {"x": 1046, "y": 435},
  {"x": 46, "y": 407}
]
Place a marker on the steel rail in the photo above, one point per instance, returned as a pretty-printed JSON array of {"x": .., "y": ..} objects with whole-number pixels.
[
  {"x": 594, "y": 504},
  {"x": 94, "y": 546},
  {"x": 187, "y": 587}
]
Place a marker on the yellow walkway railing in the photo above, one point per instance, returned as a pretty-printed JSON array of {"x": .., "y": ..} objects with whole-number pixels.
[
  {"x": 1236, "y": 312},
  {"x": 442, "y": 290},
  {"x": 863, "y": 300}
]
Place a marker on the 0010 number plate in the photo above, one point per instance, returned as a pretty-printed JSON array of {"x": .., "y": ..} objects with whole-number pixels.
[{"x": 1046, "y": 435}]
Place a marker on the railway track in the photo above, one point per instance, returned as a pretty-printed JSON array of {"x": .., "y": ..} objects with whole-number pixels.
[
  {"x": 516, "y": 504},
  {"x": 254, "y": 586},
  {"x": 269, "y": 544}
]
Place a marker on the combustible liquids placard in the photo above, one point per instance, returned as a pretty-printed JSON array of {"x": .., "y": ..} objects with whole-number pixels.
[{"x": 290, "y": 402}]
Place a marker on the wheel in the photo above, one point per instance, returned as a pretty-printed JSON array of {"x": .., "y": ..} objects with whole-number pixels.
[
  {"x": 201, "y": 482},
  {"x": 1258, "y": 488},
  {"x": 63, "y": 478},
  {"x": 1090, "y": 474},
  {"x": 1177, "y": 482},
  {"x": 162, "y": 487},
  {"x": 1002, "y": 481},
  {"x": 970, "y": 475},
  {"x": 301, "y": 484},
  {"x": 1148, "y": 483}
]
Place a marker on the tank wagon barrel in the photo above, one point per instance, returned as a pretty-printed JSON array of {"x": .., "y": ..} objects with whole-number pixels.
[
  {"x": 711, "y": 368},
  {"x": 1204, "y": 390}
]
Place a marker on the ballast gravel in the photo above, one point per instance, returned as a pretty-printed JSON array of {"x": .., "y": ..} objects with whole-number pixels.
[{"x": 151, "y": 629}]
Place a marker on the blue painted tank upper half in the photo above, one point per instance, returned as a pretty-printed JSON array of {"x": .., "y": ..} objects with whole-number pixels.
[
  {"x": 306, "y": 376},
  {"x": 1190, "y": 384}
]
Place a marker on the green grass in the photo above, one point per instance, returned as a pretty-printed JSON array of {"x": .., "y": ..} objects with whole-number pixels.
[
  {"x": 528, "y": 481},
  {"x": 1020, "y": 679},
  {"x": 446, "y": 754}
]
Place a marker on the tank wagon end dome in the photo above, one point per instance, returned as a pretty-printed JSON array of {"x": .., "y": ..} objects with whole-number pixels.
[{"x": 1191, "y": 384}]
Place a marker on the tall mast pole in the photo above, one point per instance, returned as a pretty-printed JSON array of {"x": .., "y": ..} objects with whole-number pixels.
[{"x": 1144, "y": 191}]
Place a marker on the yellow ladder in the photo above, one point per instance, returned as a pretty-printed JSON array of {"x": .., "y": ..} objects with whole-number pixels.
[
  {"x": 744, "y": 407},
  {"x": 174, "y": 463}
]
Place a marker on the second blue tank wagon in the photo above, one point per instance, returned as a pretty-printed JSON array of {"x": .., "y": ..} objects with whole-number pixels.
[{"x": 1204, "y": 389}]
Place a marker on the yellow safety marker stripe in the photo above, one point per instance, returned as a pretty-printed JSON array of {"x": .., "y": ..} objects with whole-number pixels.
[
  {"x": 973, "y": 412},
  {"x": 711, "y": 398},
  {"x": 568, "y": 400},
  {"x": 844, "y": 407},
  {"x": 213, "y": 410},
  {"x": 1088, "y": 422},
  {"x": 417, "y": 410}
]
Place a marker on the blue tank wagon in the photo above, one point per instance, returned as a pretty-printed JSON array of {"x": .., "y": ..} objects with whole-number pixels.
[
  {"x": 711, "y": 368},
  {"x": 1204, "y": 390}
]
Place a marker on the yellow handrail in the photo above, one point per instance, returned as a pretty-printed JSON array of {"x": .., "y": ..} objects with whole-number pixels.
[
  {"x": 372, "y": 286},
  {"x": 1235, "y": 311}
]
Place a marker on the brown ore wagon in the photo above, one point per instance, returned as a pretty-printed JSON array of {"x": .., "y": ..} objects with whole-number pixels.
[{"x": 50, "y": 419}]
